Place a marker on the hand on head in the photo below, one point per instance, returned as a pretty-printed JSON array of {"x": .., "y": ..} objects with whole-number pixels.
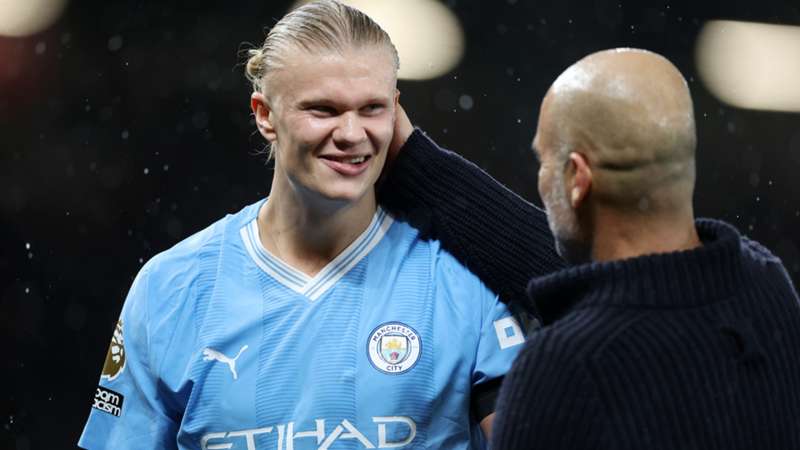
[{"x": 402, "y": 130}]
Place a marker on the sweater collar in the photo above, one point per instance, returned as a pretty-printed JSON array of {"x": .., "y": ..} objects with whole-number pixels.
[{"x": 684, "y": 278}]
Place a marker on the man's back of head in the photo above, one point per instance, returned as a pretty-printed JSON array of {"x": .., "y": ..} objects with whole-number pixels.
[{"x": 617, "y": 141}]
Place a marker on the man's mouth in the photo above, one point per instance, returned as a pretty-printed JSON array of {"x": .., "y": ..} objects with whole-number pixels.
[
  {"x": 347, "y": 159},
  {"x": 347, "y": 165}
]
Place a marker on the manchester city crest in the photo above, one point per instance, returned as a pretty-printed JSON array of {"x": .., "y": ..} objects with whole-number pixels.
[{"x": 393, "y": 347}]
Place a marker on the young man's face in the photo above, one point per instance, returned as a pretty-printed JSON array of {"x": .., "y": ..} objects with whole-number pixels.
[{"x": 331, "y": 116}]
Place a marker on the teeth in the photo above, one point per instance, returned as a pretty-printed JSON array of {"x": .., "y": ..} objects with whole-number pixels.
[{"x": 358, "y": 160}]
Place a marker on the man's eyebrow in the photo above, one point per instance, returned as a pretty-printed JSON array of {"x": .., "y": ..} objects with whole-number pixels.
[{"x": 313, "y": 101}]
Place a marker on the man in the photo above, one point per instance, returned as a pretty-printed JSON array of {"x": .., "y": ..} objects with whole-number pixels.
[
  {"x": 675, "y": 333},
  {"x": 681, "y": 333},
  {"x": 311, "y": 319}
]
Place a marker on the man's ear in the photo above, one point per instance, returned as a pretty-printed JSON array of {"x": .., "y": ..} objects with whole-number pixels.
[
  {"x": 579, "y": 178},
  {"x": 264, "y": 115}
]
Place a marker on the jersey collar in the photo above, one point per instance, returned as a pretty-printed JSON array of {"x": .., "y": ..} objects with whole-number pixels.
[{"x": 315, "y": 287}]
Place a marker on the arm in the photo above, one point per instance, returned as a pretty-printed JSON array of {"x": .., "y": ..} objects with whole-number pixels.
[
  {"x": 495, "y": 233},
  {"x": 128, "y": 412}
]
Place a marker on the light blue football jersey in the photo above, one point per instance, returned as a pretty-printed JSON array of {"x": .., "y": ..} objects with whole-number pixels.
[{"x": 221, "y": 345}]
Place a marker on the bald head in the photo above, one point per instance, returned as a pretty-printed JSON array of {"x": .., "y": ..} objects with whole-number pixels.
[{"x": 630, "y": 113}]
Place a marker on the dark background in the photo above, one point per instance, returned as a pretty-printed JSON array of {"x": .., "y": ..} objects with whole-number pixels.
[{"x": 125, "y": 127}]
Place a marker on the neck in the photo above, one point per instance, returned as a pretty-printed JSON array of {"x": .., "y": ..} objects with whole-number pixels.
[
  {"x": 306, "y": 231},
  {"x": 620, "y": 237}
]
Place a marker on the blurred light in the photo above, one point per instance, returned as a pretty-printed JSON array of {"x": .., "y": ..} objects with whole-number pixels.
[
  {"x": 428, "y": 36},
  {"x": 751, "y": 65},
  {"x": 25, "y": 17}
]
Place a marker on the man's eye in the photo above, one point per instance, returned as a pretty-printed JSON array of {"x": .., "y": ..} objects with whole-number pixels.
[
  {"x": 322, "y": 110},
  {"x": 373, "y": 108}
]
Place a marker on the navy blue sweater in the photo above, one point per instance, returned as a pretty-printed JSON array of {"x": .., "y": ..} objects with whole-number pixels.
[{"x": 689, "y": 350}]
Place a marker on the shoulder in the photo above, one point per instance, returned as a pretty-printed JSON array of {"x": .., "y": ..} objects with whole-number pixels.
[
  {"x": 755, "y": 251},
  {"x": 188, "y": 268},
  {"x": 185, "y": 260},
  {"x": 192, "y": 255}
]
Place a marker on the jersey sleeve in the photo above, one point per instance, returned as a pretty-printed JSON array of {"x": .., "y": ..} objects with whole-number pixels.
[
  {"x": 501, "y": 337},
  {"x": 502, "y": 238},
  {"x": 500, "y": 340},
  {"x": 126, "y": 412}
]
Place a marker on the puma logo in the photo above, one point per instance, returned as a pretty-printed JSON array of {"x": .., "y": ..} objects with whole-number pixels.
[{"x": 212, "y": 355}]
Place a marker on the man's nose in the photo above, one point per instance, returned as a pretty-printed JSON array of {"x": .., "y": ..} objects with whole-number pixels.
[{"x": 349, "y": 131}]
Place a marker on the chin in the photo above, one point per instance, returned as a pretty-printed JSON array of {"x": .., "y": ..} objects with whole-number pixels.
[{"x": 345, "y": 194}]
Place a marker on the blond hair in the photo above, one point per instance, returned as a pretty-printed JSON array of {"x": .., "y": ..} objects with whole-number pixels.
[{"x": 320, "y": 25}]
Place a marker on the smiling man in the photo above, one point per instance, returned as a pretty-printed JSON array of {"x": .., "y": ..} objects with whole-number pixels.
[{"x": 311, "y": 319}]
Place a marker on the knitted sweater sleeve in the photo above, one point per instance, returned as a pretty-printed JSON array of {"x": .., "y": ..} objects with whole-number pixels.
[
  {"x": 495, "y": 233},
  {"x": 548, "y": 401}
]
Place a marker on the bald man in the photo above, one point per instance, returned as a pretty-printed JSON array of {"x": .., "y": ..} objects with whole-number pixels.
[
  {"x": 668, "y": 332},
  {"x": 675, "y": 333}
]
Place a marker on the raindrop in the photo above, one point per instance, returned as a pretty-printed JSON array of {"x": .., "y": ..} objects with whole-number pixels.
[
  {"x": 115, "y": 43},
  {"x": 466, "y": 102},
  {"x": 125, "y": 134},
  {"x": 146, "y": 170},
  {"x": 27, "y": 246},
  {"x": 27, "y": 290},
  {"x": 166, "y": 167}
]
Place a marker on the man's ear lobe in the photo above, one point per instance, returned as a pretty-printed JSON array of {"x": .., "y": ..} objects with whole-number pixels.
[
  {"x": 264, "y": 116},
  {"x": 581, "y": 178}
]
